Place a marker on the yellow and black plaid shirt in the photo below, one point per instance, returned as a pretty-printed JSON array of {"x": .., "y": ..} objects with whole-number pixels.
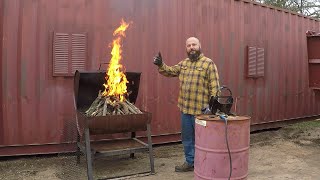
[{"x": 199, "y": 80}]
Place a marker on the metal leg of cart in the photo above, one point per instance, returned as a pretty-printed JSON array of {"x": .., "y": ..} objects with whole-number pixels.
[
  {"x": 78, "y": 149},
  {"x": 150, "y": 149},
  {"x": 133, "y": 135},
  {"x": 88, "y": 155}
]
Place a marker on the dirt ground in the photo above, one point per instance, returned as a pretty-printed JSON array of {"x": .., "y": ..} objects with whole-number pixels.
[{"x": 292, "y": 152}]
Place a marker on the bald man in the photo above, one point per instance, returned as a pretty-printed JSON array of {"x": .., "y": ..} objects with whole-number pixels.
[{"x": 199, "y": 80}]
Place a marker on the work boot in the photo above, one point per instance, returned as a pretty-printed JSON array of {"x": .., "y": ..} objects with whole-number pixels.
[{"x": 185, "y": 167}]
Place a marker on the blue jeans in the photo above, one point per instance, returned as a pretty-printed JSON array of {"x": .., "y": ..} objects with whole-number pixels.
[{"x": 187, "y": 135}]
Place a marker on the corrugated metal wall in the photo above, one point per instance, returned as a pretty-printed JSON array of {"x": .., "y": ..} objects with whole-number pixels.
[
  {"x": 37, "y": 108},
  {"x": 1, "y": 42}
]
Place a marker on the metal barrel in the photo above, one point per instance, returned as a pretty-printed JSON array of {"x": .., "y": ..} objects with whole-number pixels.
[{"x": 211, "y": 152}]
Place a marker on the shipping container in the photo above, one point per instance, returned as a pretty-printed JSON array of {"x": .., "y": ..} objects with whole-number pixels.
[{"x": 260, "y": 52}]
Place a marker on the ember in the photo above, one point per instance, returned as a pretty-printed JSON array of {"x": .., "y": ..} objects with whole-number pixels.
[{"x": 112, "y": 100}]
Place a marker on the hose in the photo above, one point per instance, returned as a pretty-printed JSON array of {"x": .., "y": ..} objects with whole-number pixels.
[{"x": 226, "y": 135}]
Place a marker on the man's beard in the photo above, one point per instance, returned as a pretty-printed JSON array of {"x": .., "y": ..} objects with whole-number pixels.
[{"x": 194, "y": 56}]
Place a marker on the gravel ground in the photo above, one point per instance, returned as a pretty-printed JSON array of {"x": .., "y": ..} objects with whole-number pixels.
[{"x": 292, "y": 152}]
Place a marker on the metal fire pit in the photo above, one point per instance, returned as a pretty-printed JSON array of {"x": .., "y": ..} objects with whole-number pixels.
[{"x": 86, "y": 88}]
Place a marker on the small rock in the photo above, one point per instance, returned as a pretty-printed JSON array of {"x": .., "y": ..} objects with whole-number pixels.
[{"x": 305, "y": 142}]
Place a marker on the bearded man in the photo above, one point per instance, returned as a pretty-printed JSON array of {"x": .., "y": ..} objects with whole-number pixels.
[{"x": 199, "y": 80}]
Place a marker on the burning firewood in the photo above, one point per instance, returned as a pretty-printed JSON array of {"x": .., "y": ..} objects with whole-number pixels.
[
  {"x": 112, "y": 100},
  {"x": 106, "y": 105}
]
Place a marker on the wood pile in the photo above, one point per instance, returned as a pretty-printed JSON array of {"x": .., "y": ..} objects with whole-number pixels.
[{"x": 109, "y": 105}]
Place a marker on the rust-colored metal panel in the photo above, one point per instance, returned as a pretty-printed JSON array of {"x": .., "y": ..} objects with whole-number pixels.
[
  {"x": 37, "y": 108},
  {"x": 314, "y": 75},
  {"x": 37, "y": 149},
  {"x": 1, "y": 43},
  {"x": 313, "y": 44},
  {"x": 313, "y": 47}
]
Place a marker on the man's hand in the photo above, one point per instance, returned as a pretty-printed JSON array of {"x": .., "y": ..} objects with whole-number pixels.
[{"x": 157, "y": 60}]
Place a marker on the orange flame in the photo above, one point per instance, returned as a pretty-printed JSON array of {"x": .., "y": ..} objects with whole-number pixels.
[{"x": 116, "y": 79}]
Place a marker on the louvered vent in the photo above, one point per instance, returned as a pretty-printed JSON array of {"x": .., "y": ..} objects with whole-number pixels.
[
  {"x": 260, "y": 62},
  {"x": 252, "y": 65},
  {"x": 255, "y": 62},
  {"x": 61, "y": 54},
  {"x": 78, "y": 54},
  {"x": 69, "y": 53}
]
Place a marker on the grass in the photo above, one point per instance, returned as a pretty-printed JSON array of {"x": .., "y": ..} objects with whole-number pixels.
[{"x": 306, "y": 125}]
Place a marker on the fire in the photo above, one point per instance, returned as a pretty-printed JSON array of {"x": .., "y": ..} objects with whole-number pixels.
[{"x": 116, "y": 79}]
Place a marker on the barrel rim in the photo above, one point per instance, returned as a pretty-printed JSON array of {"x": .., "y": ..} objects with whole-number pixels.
[{"x": 206, "y": 117}]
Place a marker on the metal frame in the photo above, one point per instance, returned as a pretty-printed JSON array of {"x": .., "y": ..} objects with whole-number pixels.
[
  {"x": 90, "y": 151},
  {"x": 86, "y": 87}
]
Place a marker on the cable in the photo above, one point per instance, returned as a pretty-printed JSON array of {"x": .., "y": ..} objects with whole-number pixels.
[{"x": 226, "y": 130}]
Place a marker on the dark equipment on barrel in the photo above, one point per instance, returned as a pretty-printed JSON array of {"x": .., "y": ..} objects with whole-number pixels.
[{"x": 221, "y": 103}]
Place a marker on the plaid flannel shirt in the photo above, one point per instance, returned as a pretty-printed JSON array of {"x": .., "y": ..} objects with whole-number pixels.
[{"x": 199, "y": 80}]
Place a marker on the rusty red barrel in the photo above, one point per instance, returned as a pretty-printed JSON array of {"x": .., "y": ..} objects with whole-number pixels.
[{"x": 211, "y": 152}]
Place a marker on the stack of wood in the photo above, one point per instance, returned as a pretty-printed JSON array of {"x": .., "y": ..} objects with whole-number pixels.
[{"x": 108, "y": 105}]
